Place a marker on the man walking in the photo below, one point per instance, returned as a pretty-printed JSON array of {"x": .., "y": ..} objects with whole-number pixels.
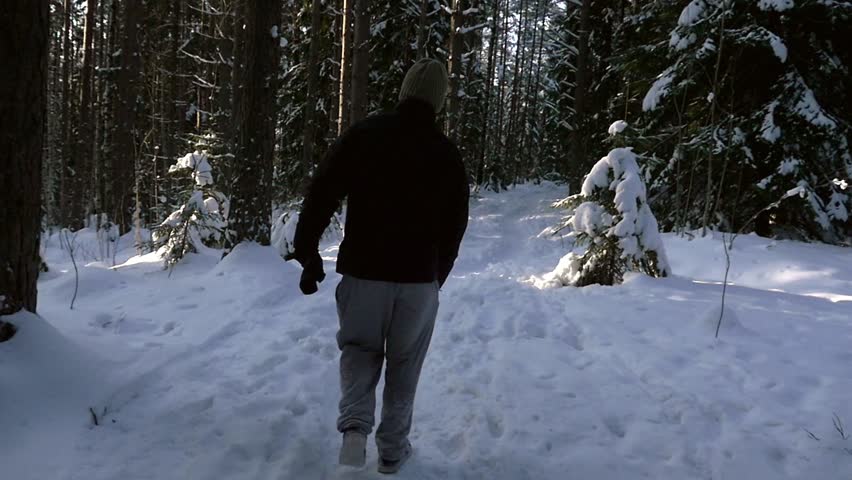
[{"x": 407, "y": 207}]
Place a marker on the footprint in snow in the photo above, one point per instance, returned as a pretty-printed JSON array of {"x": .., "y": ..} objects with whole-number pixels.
[
  {"x": 615, "y": 426},
  {"x": 453, "y": 446},
  {"x": 268, "y": 364},
  {"x": 495, "y": 424},
  {"x": 297, "y": 408},
  {"x": 167, "y": 328}
]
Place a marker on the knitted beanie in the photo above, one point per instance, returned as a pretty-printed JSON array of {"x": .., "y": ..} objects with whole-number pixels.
[{"x": 427, "y": 81}]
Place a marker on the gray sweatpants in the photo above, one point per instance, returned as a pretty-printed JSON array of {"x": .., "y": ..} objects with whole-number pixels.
[{"x": 382, "y": 321}]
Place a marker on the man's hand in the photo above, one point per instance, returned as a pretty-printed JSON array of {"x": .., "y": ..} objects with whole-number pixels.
[{"x": 312, "y": 273}]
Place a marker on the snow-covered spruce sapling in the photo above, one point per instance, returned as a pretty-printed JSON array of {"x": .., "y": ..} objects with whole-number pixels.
[
  {"x": 200, "y": 221},
  {"x": 611, "y": 218}
]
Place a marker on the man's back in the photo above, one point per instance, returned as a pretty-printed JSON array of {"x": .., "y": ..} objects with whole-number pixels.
[{"x": 407, "y": 198}]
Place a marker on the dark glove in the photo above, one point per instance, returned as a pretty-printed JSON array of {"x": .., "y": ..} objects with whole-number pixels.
[{"x": 312, "y": 273}]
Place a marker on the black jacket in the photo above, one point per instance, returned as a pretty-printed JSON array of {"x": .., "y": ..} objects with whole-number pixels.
[{"x": 407, "y": 198}]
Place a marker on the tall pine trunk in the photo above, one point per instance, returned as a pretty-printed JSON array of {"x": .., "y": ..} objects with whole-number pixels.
[
  {"x": 255, "y": 88},
  {"x": 23, "y": 89},
  {"x": 581, "y": 93},
  {"x": 85, "y": 137},
  {"x": 511, "y": 152},
  {"x": 486, "y": 118},
  {"x": 360, "y": 60},
  {"x": 455, "y": 66},
  {"x": 67, "y": 192},
  {"x": 125, "y": 155},
  {"x": 345, "y": 79},
  {"x": 422, "y": 29},
  {"x": 311, "y": 97}
]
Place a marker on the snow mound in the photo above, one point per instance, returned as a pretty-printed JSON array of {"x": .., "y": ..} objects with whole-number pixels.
[
  {"x": 731, "y": 324},
  {"x": 250, "y": 257},
  {"x": 48, "y": 385},
  {"x": 93, "y": 281}
]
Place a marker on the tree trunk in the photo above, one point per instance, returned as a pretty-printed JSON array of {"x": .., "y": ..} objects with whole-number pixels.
[
  {"x": 360, "y": 60},
  {"x": 422, "y": 29},
  {"x": 581, "y": 92},
  {"x": 85, "y": 142},
  {"x": 106, "y": 186},
  {"x": 345, "y": 68},
  {"x": 529, "y": 90},
  {"x": 535, "y": 142},
  {"x": 66, "y": 178},
  {"x": 511, "y": 151},
  {"x": 311, "y": 97},
  {"x": 223, "y": 93},
  {"x": 53, "y": 163},
  {"x": 254, "y": 112},
  {"x": 492, "y": 62},
  {"x": 23, "y": 87},
  {"x": 455, "y": 65},
  {"x": 173, "y": 112},
  {"x": 124, "y": 157},
  {"x": 499, "y": 146},
  {"x": 583, "y": 64}
]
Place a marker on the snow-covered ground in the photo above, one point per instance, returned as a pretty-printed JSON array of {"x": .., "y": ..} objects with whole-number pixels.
[{"x": 225, "y": 371}]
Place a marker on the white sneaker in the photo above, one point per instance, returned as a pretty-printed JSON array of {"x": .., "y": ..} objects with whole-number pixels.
[{"x": 353, "y": 452}]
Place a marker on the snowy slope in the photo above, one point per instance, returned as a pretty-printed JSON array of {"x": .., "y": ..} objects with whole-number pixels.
[{"x": 225, "y": 370}]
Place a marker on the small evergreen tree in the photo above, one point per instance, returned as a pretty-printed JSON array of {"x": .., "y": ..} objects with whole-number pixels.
[
  {"x": 200, "y": 221},
  {"x": 612, "y": 218}
]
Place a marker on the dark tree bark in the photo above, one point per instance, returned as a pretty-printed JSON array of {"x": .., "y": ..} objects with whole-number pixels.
[
  {"x": 486, "y": 117},
  {"x": 455, "y": 65},
  {"x": 501, "y": 85},
  {"x": 67, "y": 193},
  {"x": 53, "y": 163},
  {"x": 109, "y": 113},
  {"x": 345, "y": 79},
  {"x": 125, "y": 156},
  {"x": 422, "y": 29},
  {"x": 535, "y": 142},
  {"x": 581, "y": 93},
  {"x": 583, "y": 64},
  {"x": 23, "y": 89},
  {"x": 360, "y": 60},
  {"x": 309, "y": 132},
  {"x": 173, "y": 112},
  {"x": 85, "y": 137},
  {"x": 511, "y": 151},
  {"x": 254, "y": 112},
  {"x": 223, "y": 92}
]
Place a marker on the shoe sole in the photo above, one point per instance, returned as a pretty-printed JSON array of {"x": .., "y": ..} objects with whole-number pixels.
[{"x": 391, "y": 469}]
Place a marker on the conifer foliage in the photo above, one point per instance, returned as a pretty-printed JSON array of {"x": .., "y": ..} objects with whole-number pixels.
[
  {"x": 612, "y": 220},
  {"x": 201, "y": 220},
  {"x": 756, "y": 95}
]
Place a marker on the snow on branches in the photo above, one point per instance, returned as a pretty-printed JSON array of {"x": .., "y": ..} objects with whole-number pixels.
[
  {"x": 612, "y": 218},
  {"x": 197, "y": 223}
]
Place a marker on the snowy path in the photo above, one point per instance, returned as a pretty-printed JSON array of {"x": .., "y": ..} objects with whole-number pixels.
[{"x": 226, "y": 371}]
